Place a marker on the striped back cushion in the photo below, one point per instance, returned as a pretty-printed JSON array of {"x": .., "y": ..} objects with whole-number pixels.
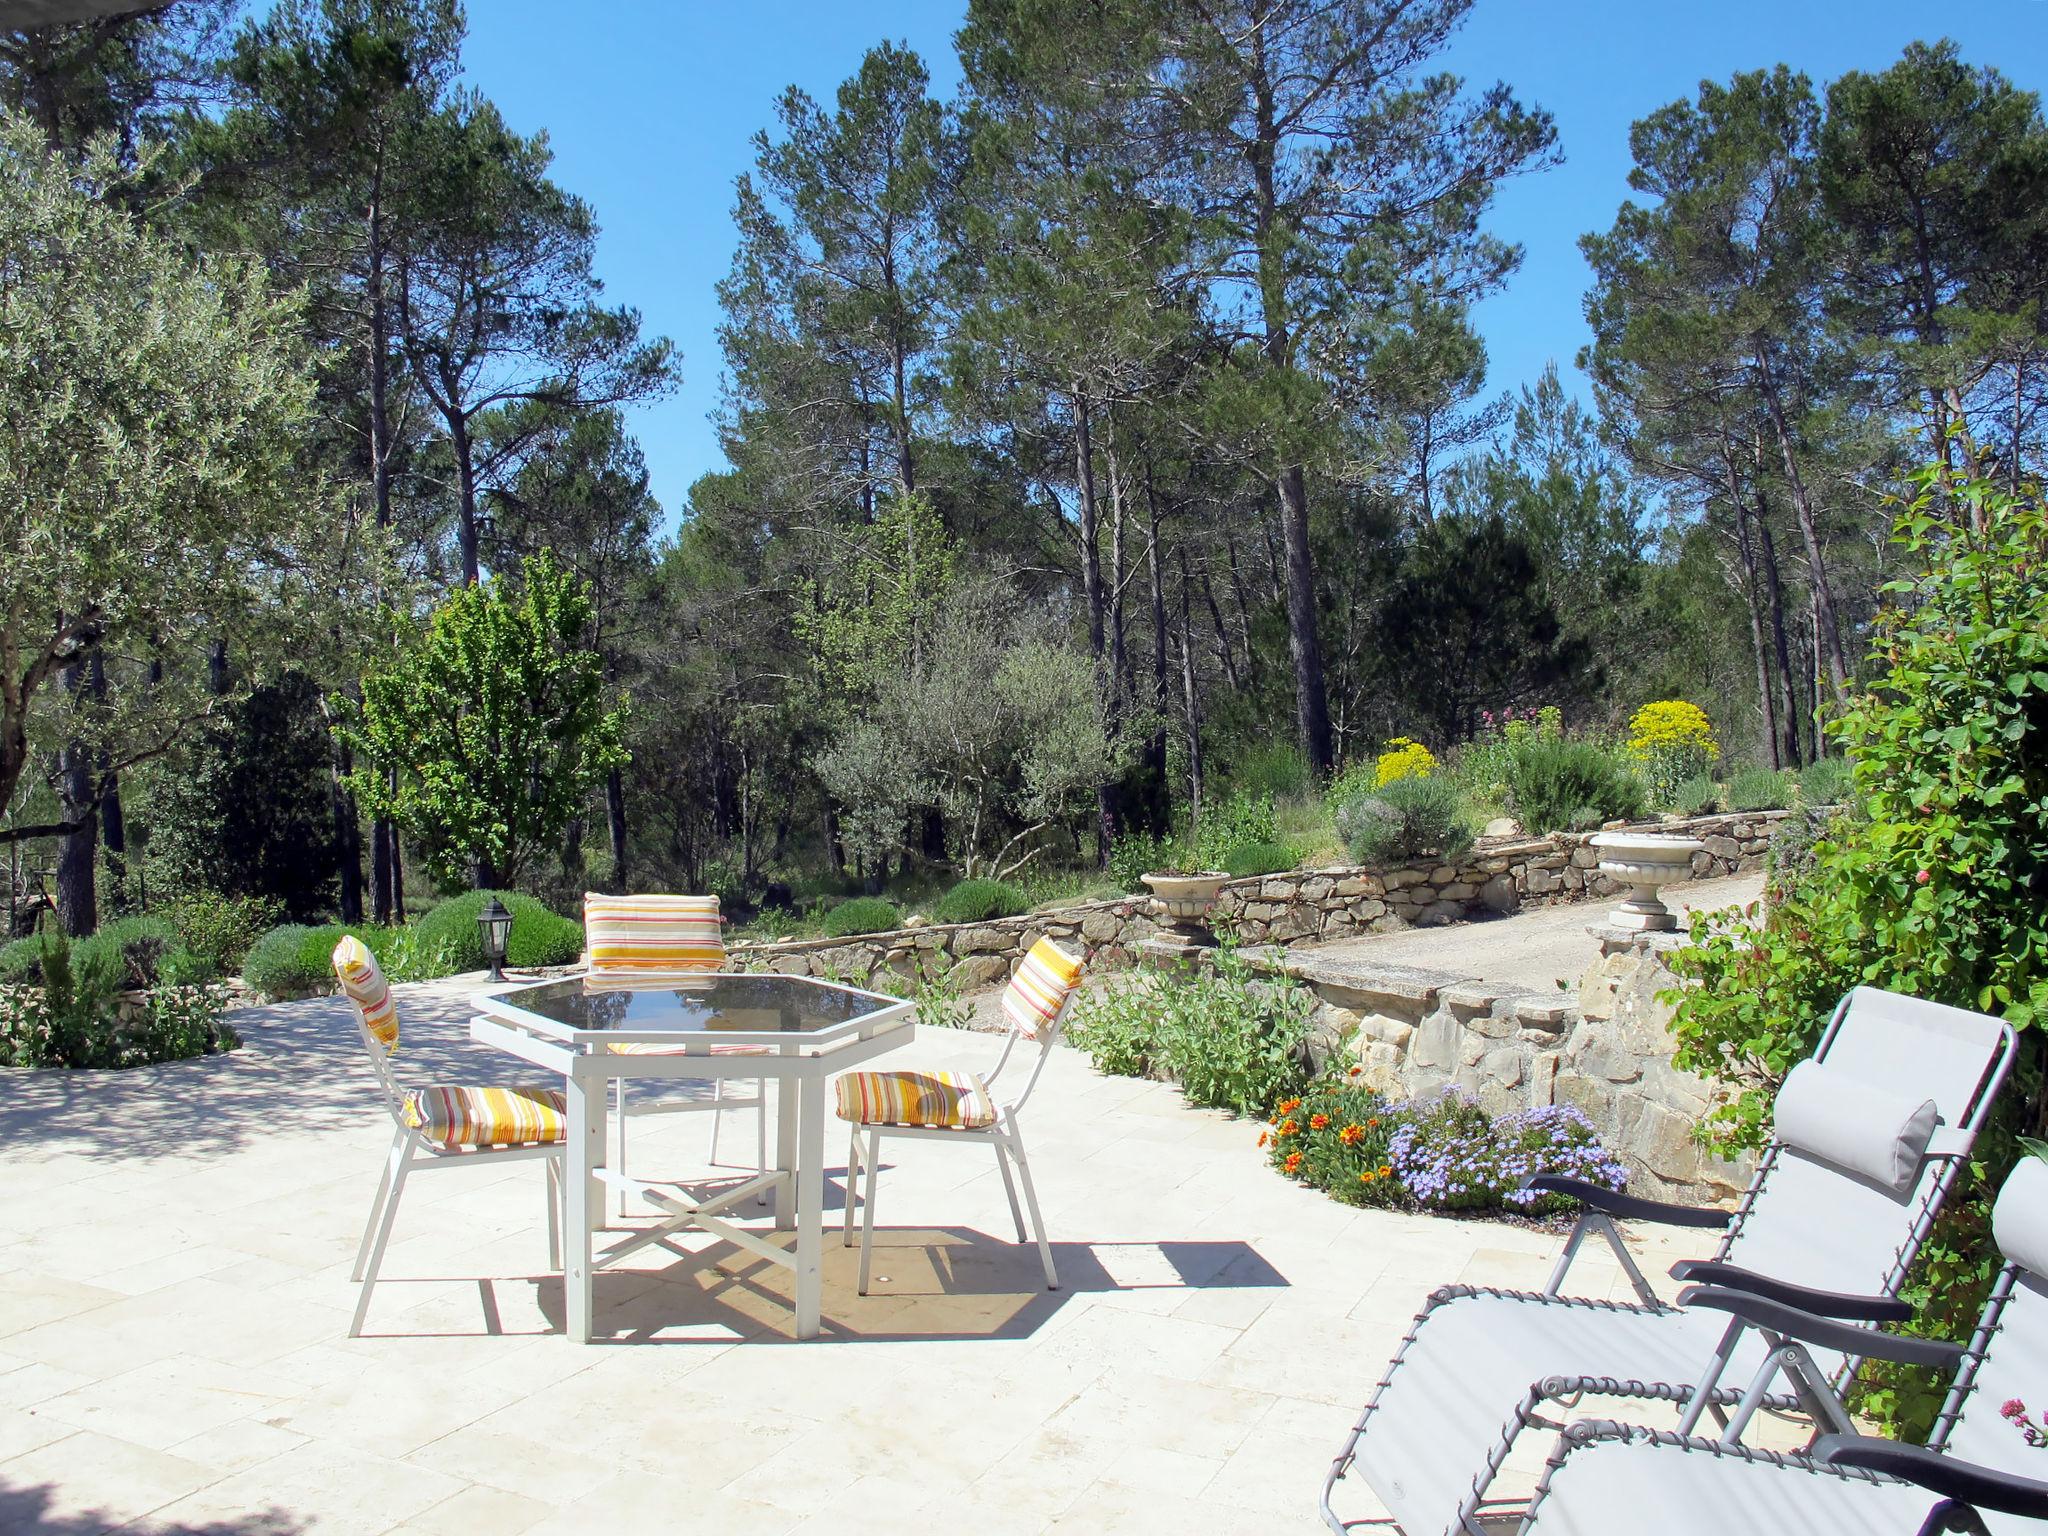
[
  {"x": 362, "y": 983},
  {"x": 650, "y": 934},
  {"x": 1044, "y": 981}
]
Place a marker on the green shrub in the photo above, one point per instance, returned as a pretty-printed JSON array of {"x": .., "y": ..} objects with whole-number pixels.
[
  {"x": 1404, "y": 820},
  {"x": 1354, "y": 780},
  {"x": 1131, "y": 858},
  {"x": 862, "y": 914},
  {"x": 1231, "y": 1038},
  {"x": 1831, "y": 781},
  {"x": 979, "y": 901},
  {"x": 1697, "y": 796},
  {"x": 70, "y": 1017},
  {"x": 220, "y": 929},
  {"x": 1334, "y": 1137},
  {"x": 1270, "y": 770},
  {"x": 22, "y": 960},
  {"x": 297, "y": 959},
  {"x": 1243, "y": 818},
  {"x": 1248, "y": 859},
  {"x": 1760, "y": 789},
  {"x": 1562, "y": 784},
  {"x": 539, "y": 937},
  {"x": 933, "y": 987}
]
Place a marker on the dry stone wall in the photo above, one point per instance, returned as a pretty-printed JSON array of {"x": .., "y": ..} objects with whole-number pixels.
[
  {"x": 1606, "y": 1049},
  {"x": 1300, "y": 907}
]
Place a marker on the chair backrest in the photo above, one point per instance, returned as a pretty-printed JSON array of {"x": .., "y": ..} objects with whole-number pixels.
[
  {"x": 2004, "y": 1384},
  {"x": 652, "y": 935},
  {"x": 1813, "y": 1222},
  {"x": 363, "y": 983},
  {"x": 1035, "y": 1004}
]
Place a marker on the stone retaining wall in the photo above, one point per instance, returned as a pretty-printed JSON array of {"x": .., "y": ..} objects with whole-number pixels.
[
  {"x": 1607, "y": 1049},
  {"x": 1302, "y": 906}
]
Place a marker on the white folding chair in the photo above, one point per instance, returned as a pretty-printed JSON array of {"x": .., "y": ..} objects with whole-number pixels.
[
  {"x": 441, "y": 1126},
  {"x": 955, "y": 1106},
  {"x": 637, "y": 940}
]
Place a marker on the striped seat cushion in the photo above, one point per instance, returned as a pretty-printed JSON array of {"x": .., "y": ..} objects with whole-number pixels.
[
  {"x": 650, "y": 935},
  {"x": 487, "y": 1117},
  {"x": 954, "y": 1100},
  {"x": 1044, "y": 981},
  {"x": 363, "y": 984}
]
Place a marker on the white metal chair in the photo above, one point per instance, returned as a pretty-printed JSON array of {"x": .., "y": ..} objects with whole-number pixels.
[
  {"x": 441, "y": 1126},
  {"x": 637, "y": 940},
  {"x": 958, "y": 1106},
  {"x": 1981, "y": 1469},
  {"x": 1869, "y": 1136}
]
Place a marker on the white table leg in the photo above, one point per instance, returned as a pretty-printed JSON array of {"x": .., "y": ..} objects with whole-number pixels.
[
  {"x": 810, "y": 1208},
  {"x": 785, "y": 1147},
  {"x": 584, "y": 1197}
]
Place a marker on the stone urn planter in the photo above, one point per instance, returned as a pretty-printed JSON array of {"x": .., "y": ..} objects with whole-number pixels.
[
  {"x": 1645, "y": 863},
  {"x": 1186, "y": 901}
]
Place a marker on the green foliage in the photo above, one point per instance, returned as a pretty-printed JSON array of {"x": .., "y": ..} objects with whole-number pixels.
[
  {"x": 863, "y": 914},
  {"x": 152, "y": 406},
  {"x": 1791, "y": 858},
  {"x": 1566, "y": 784},
  {"x": 1830, "y": 781},
  {"x": 1232, "y": 1039},
  {"x": 1248, "y": 859},
  {"x": 1404, "y": 820},
  {"x": 1761, "y": 789},
  {"x": 933, "y": 987},
  {"x": 1931, "y": 888},
  {"x": 1270, "y": 770},
  {"x": 978, "y": 901},
  {"x": 1243, "y": 821},
  {"x": 69, "y": 1016},
  {"x": 1697, "y": 796},
  {"x": 220, "y": 929},
  {"x": 297, "y": 959},
  {"x": 876, "y": 613},
  {"x": 494, "y": 723},
  {"x": 248, "y": 812},
  {"x": 539, "y": 937},
  {"x": 1334, "y": 1137},
  {"x": 136, "y": 951}
]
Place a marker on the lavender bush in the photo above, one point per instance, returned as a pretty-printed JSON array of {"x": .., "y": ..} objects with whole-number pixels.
[{"x": 1450, "y": 1156}]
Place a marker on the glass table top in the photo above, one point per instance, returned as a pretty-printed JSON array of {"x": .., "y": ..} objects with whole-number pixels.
[{"x": 710, "y": 1004}]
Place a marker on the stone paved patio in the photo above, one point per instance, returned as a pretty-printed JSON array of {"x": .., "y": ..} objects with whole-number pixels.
[{"x": 174, "y": 1296}]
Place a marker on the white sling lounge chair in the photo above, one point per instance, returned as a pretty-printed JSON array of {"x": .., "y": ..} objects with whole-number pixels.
[
  {"x": 1977, "y": 1473},
  {"x": 1867, "y": 1140}
]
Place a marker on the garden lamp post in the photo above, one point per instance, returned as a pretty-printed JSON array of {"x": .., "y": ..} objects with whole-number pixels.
[{"x": 496, "y": 924}]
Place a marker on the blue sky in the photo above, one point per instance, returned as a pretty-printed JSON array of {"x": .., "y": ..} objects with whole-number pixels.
[{"x": 650, "y": 105}]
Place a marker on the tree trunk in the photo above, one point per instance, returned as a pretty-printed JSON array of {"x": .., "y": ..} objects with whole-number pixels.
[
  {"x": 615, "y": 820},
  {"x": 348, "y": 839},
  {"x": 1828, "y": 634},
  {"x": 113, "y": 820},
  {"x": 1304, "y": 644},
  {"x": 465, "y": 481},
  {"x": 1774, "y": 600},
  {"x": 1155, "y": 744},
  {"x": 1746, "y": 555},
  {"x": 77, "y": 900},
  {"x": 381, "y": 883},
  {"x": 1191, "y": 708},
  {"x": 1091, "y": 587}
]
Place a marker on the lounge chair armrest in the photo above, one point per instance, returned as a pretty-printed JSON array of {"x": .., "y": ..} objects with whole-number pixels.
[
  {"x": 1842, "y": 1304},
  {"x": 1964, "y": 1481},
  {"x": 1628, "y": 1207},
  {"x": 1825, "y": 1332}
]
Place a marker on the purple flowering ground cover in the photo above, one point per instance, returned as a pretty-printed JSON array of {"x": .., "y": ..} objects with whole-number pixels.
[{"x": 1439, "y": 1154}]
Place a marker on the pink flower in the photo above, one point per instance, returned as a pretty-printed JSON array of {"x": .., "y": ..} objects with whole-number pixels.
[
  {"x": 2012, "y": 1408},
  {"x": 1922, "y": 878},
  {"x": 1486, "y": 715}
]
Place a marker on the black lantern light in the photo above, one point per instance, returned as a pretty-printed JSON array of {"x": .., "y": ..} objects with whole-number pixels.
[{"x": 496, "y": 924}]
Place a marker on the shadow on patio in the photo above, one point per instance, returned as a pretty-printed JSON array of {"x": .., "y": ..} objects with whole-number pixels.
[
  {"x": 930, "y": 1283},
  {"x": 28, "y": 1507}
]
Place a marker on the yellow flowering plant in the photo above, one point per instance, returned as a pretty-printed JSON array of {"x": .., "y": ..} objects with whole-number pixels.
[
  {"x": 1671, "y": 741},
  {"x": 1405, "y": 758}
]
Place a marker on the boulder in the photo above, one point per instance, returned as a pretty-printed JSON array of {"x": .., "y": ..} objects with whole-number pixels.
[
  {"x": 1502, "y": 826},
  {"x": 1499, "y": 894}
]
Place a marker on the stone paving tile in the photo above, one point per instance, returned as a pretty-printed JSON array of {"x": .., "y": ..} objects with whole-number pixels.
[{"x": 175, "y": 1247}]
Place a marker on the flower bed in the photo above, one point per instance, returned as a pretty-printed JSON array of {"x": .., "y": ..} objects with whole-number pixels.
[{"x": 1438, "y": 1154}]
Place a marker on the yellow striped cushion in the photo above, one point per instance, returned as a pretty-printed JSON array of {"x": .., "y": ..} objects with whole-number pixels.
[
  {"x": 487, "y": 1117},
  {"x": 1045, "y": 979},
  {"x": 657, "y": 1048},
  {"x": 643, "y": 934},
  {"x": 362, "y": 983},
  {"x": 956, "y": 1100}
]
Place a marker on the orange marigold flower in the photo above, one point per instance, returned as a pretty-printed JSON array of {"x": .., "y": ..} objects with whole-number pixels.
[
  {"x": 1367, "y": 1177},
  {"x": 1263, "y": 1138},
  {"x": 1289, "y": 1106},
  {"x": 1374, "y": 1122},
  {"x": 1354, "y": 1072},
  {"x": 1293, "y": 1161},
  {"x": 1288, "y": 1127},
  {"x": 1351, "y": 1135},
  {"x": 1386, "y": 1172},
  {"x": 1318, "y": 1122}
]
